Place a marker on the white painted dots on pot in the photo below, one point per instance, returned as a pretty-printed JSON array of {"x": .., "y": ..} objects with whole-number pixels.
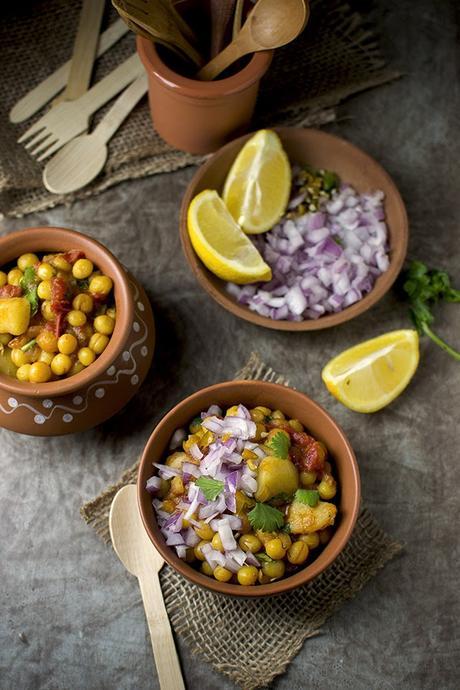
[
  {"x": 136, "y": 327},
  {"x": 77, "y": 400},
  {"x": 111, "y": 370},
  {"x": 135, "y": 379},
  {"x": 126, "y": 355},
  {"x": 39, "y": 419},
  {"x": 47, "y": 403},
  {"x": 12, "y": 402},
  {"x": 140, "y": 306},
  {"x": 144, "y": 351},
  {"x": 99, "y": 393},
  {"x": 67, "y": 418}
]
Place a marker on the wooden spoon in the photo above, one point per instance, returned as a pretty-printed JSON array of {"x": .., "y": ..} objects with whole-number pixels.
[
  {"x": 221, "y": 13},
  {"x": 83, "y": 158},
  {"x": 158, "y": 21},
  {"x": 271, "y": 24},
  {"x": 140, "y": 558}
]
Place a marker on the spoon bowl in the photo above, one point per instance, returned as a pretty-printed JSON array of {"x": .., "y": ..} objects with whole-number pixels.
[
  {"x": 271, "y": 24},
  {"x": 75, "y": 165}
]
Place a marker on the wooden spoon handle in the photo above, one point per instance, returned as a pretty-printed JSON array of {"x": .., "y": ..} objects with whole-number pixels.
[
  {"x": 110, "y": 85},
  {"x": 84, "y": 51},
  {"x": 121, "y": 109},
  {"x": 164, "y": 649},
  {"x": 214, "y": 67}
]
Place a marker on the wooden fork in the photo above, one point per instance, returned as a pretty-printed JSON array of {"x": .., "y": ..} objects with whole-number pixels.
[{"x": 71, "y": 118}]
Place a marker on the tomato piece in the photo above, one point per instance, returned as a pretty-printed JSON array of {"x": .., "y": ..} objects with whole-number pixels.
[{"x": 11, "y": 291}]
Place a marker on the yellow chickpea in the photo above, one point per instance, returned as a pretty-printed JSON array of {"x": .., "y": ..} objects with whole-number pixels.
[
  {"x": 257, "y": 415},
  {"x": 5, "y": 338},
  {"x": 23, "y": 373},
  {"x": 274, "y": 569},
  {"x": 168, "y": 506},
  {"x": 249, "y": 542},
  {"x": 18, "y": 357},
  {"x": 286, "y": 540},
  {"x": 61, "y": 264},
  {"x": 98, "y": 342},
  {"x": 67, "y": 343},
  {"x": 222, "y": 574},
  {"x": 260, "y": 429},
  {"x": 266, "y": 411},
  {"x": 327, "y": 488},
  {"x": 295, "y": 424},
  {"x": 27, "y": 260},
  {"x": 83, "y": 303},
  {"x": 197, "y": 550},
  {"x": 46, "y": 357},
  {"x": 14, "y": 276},
  {"x": 47, "y": 341},
  {"x": 325, "y": 535},
  {"x": 44, "y": 289},
  {"x": 297, "y": 553},
  {"x": 104, "y": 324},
  {"x": 76, "y": 368},
  {"x": 204, "y": 531},
  {"x": 263, "y": 579},
  {"x": 216, "y": 543},
  {"x": 307, "y": 478},
  {"x": 206, "y": 569},
  {"x": 61, "y": 364},
  {"x": 247, "y": 575},
  {"x": 311, "y": 539},
  {"x": 82, "y": 269},
  {"x": 76, "y": 317},
  {"x": 274, "y": 549},
  {"x": 112, "y": 312},
  {"x": 86, "y": 356},
  {"x": 40, "y": 372},
  {"x": 177, "y": 487},
  {"x": 45, "y": 271},
  {"x": 3, "y": 278},
  {"x": 47, "y": 311},
  {"x": 277, "y": 414},
  {"x": 100, "y": 285}
]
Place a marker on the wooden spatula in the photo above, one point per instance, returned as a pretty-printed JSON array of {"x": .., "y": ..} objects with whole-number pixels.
[{"x": 140, "y": 558}]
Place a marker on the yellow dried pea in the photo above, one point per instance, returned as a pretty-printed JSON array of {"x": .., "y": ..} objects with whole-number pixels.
[
  {"x": 14, "y": 276},
  {"x": 82, "y": 269},
  {"x": 47, "y": 311},
  {"x": 86, "y": 356},
  {"x": 61, "y": 364},
  {"x": 297, "y": 553},
  {"x": 327, "y": 488},
  {"x": 47, "y": 341},
  {"x": 177, "y": 486},
  {"x": 204, "y": 531},
  {"x": 177, "y": 459},
  {"x": 222, "y": 574},
  {"x": 295, "y": 424},
  {"x": 67, "y": 343},
  {"x": 60, "y": 263},
  {"x": 206, "y": 569},
  {"x": 311, "y": 539},
  {"x": 3, "y": 278},
  {"x": 40, "y": 372},
  {"x": 250, "y": 542},
  {"x": 197, "y": 550},
  {"x": 76, "y": 317},
  {"x": 247, "y": 575},
  {"x": 100, "y": 285},
  {"x": 274, "y": 549},
  {"x": 216, "y": 543},
  {"x": 46, "y": 357},
  {"x": 45, "y": 271},
  {"x": 44, "y": 289},
  {"x": 14, "y": 315},
  {"x": 83, "y": 302},
  {"x": 98, "y": 342},
  {"x": 277, "y": 414},
  {"x": 104, "y": 324},
  {"x": 27, "y": 260},
  {"x": 274, "y": 569},
  {"x": 18, "y": 357},
  {"x": 307, "y": 478},
  {"x": 23, "y": 373}
]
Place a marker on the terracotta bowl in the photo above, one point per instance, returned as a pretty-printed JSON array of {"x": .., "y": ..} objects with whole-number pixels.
[
  {"x": 293, "y": 404},
  {"x": 86, "y": 399},
  {"x": 320, "y": 150}
]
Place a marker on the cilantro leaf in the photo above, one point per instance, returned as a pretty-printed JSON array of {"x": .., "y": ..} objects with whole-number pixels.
[
  {"x": 279, "y": 444},
  {"x": 308, "y": 496},
  {"x": 330, "y": 180},
  {"x": 265, "y": 518},
  {"x": 29, "y": 283},
  {"x": 424, "y": 288},
  {"x": 210, "y": 487}
]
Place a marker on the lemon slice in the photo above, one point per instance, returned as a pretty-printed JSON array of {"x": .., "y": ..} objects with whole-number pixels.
[
  {"x": 257, "y": 188},
  {"x": 221, "y": 244},
  {"x": 372, "y": 374}
]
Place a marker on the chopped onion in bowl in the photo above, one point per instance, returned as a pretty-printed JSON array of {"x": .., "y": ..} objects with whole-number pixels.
[{"x": 322, "y": 261}]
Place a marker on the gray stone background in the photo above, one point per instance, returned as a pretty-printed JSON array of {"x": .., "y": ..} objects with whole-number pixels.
[{"x": 60, "y": 586}]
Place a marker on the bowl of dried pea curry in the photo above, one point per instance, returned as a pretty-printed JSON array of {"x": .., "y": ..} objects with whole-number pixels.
[{"x": 248, "y": 488}]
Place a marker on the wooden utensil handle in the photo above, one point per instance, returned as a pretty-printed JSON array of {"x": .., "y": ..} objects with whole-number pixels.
[
  {"x": 164, "y": 649},
  {"x": 121, "y": 109},
  {"x": 217, "y": 65},
  {"x": 84, "y": 50},
  {"x": 112, "y": 84}
]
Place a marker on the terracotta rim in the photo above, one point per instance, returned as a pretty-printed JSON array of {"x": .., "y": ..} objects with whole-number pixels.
[
  {"x": 194, "y": 88},
  {"x": 46, "y": 238},
  {"x": 383, "y": 283},
  {"x": 331, "y": 550}
]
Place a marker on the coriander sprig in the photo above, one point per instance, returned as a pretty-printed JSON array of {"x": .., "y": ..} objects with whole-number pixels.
[{"x": 425, "y": 288}]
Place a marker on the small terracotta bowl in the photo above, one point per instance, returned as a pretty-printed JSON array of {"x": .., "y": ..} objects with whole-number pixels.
[
  {"x": 295, "y": 405},
  {"x": 86, "y": 399},
  {"x": 199, "y": 116},
  {"x": 320, "y": 150}
]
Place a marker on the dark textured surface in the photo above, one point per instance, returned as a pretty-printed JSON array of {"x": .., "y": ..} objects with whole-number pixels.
[{"x": 65, "y": 591}]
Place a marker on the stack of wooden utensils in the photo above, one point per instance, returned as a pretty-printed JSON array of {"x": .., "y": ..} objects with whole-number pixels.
[{"x": 63, "y": 130}]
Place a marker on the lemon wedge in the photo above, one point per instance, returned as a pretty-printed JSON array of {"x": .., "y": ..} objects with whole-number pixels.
[
  {"x": 220, "y": 242},
  {"x": 372, "y": 374},
  {"x": 257, "y": 188}
]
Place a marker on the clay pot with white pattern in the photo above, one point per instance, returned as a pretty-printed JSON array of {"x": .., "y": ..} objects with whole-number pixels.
[{"x": 81, "y": 401}]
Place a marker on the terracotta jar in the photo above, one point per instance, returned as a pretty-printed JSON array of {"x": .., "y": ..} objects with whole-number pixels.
[
  {"x": 90, "y": 397},
  {"x": 199, "y": 116}
]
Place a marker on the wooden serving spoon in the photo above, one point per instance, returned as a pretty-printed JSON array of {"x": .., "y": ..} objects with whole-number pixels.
[
  {"x": 271, "y": 24},
  {"x": 140, "y": 558}
]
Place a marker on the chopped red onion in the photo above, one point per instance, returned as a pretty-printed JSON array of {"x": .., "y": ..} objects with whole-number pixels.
[
  {"x": 166, "y": 472},
  {"x": 181, "y": 551},
  {"x": 195, "y": 452},
  {"x": 176, "y": 439},
  {"x": 226, "y": 535},
  {"x": 153, "y": 485},
  {"x": 191, "y": 538},
  {"x": 319, "y": 258}
]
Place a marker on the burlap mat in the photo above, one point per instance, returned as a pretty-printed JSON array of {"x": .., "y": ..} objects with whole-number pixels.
[
  {"x": 335, "y": 57},
  {"x": 244, "y": 650}
]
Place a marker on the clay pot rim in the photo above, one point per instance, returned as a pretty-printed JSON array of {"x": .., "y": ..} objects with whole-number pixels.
[
  {"x": 331, "y": 550},
  {"x": 123, "y": 302},
  {"x": 384, "y": 282},
  {"x": 184, "y": 86}
]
